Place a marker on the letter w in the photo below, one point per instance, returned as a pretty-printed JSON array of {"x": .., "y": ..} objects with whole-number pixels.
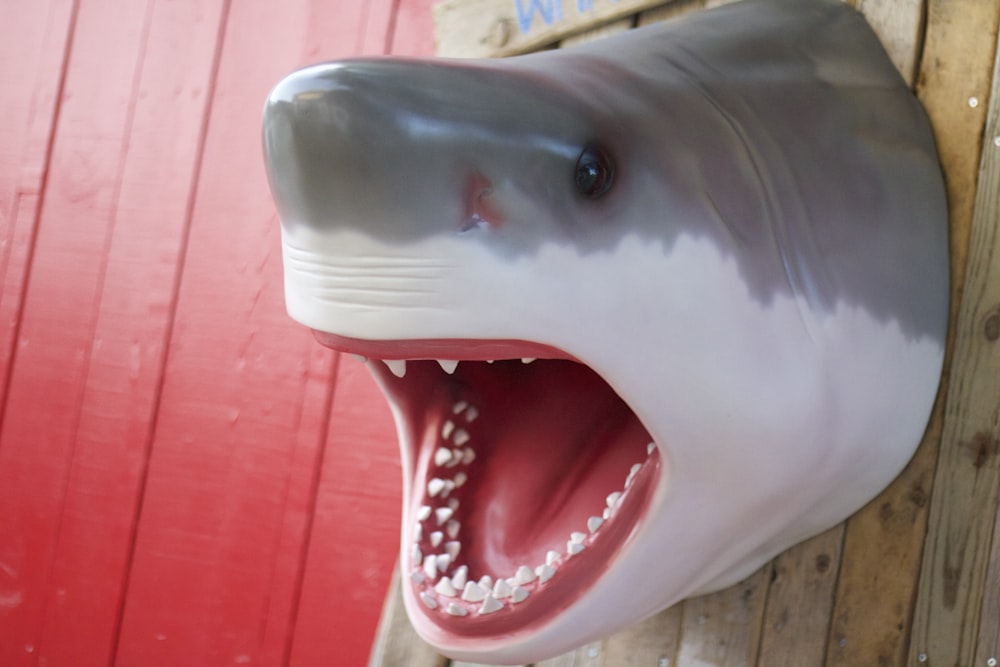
[{"x": 551, "y": 10}]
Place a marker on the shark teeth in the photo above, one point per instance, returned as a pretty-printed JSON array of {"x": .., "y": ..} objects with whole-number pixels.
[
  {"x": 396, "y": 366},
  {"x": 490, "y": 605},
  {"x": 445, "y": 588},
  {"x": 442, "y": 582},
  {"x": 524, "y": 575},
  {"x": 459, "y": 578},
  {"x": 544, "y": 572},
  {"x": 501, "y": 589},
  {"x": 473, "y": 592},
  {"x": 430, "y": 567},
  {"x": 442, "y": 456},
  {"x": 456, "y": 610},
  {"x": 613, "y": 499}
]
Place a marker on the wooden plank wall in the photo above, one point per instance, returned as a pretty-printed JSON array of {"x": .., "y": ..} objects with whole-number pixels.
[
  {"x": 914, "y": 577},
  {"x": 186, "y": 477}
]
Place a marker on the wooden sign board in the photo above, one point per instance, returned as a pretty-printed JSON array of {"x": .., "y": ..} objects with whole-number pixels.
[
  {"x": 487, "y": 28},
  {"x": 496, "y": 28}
]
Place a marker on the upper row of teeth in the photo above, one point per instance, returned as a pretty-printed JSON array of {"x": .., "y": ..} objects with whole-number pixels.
[
  {"x": 489, "y": 593},
  {"x": 398, "y": 366}
]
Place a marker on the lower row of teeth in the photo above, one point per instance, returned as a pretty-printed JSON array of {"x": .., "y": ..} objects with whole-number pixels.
[{"x": 441, "y": 581}]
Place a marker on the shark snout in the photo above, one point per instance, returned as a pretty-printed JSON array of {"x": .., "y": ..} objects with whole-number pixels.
[
  {"x": 406, "y": 150},
  {"x": 341, "y": 153}
]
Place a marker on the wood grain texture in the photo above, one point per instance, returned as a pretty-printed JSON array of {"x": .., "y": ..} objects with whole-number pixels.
[
  {"x": 489, "y": 28},
  {"x": 723, "y": 629},
  {"x": 948, "y": 614},
  {"x": 652, "y": 642},
  {"x": 588, "y": 655},
  {"x": 880, "y": 560},
  {"x": 396, "y": 642},
  {"x": 669, "y": 11},
  {"x": 988, "y": 647},
  {"x": 600, "y": 32},
  {"x": 800, "y": 601},
  {"x": 900, "y": 27}
]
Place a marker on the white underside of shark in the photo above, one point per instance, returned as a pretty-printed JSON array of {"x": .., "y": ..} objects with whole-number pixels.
[{"x": 771, "y": 422}]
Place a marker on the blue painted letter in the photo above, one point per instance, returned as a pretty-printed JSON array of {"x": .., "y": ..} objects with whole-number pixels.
[{"x": 551, "y": 10}]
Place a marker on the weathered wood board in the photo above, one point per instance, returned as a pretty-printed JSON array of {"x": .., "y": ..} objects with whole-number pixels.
[
  {"x": 954, "y": 609},
  {"x": 914, "y": 577}
]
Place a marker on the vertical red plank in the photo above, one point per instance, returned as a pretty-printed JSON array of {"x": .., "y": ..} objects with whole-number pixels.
[
  {"x": 34, "y": 42},
  {"x": 168, "y": 103},
  {"x": 414, "y": 30},
  {"x": 355, "y": 536},
  {"x": 51, "y": 367},
  {"x": 229, "y": 496}
]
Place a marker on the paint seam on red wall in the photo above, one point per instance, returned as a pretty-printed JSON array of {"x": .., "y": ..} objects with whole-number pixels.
[
  {"x": 99, "y": 293},
  {"x": 35, "y": 223},
  {"x": 170, "y": 323},
  {"x": 307, "y": 529}
]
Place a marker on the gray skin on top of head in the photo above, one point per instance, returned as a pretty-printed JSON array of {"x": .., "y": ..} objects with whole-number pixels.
[{"x": 778, "y": 129}]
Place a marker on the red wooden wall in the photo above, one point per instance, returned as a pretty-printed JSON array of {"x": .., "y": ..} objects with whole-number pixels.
[{"x": 186, "y": 477}]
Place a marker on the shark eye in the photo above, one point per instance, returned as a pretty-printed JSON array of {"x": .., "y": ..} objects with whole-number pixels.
[{"x": 595, "y": 172}]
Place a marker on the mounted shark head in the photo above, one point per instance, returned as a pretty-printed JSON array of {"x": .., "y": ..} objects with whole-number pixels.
[{"x": 723, "y": 243}]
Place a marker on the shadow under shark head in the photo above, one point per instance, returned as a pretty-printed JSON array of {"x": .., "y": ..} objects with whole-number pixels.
[{"x": 651, "y": 310}]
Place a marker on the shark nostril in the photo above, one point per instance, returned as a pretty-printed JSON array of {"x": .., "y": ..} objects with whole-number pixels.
[{"x": 480, "y": 211}]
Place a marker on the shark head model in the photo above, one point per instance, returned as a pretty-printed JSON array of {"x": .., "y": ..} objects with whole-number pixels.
[{"x": 722, "y": 241}]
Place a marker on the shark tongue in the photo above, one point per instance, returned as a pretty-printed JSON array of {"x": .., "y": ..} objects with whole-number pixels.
[{"x": 521, "y": 473}]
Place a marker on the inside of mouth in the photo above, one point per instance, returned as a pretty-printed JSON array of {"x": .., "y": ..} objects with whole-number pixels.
[{"x": 527, "y": 478}]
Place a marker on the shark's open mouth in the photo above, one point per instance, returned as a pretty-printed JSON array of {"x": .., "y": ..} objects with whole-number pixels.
[{"x": 525, "y": 478}]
